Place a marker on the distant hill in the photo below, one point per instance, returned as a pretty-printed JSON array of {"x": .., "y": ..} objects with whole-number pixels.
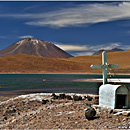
[
  {"x": 23, "y": 63},
  {"x": 33, "y": 46},
  {"x": 112, "y": 50}
]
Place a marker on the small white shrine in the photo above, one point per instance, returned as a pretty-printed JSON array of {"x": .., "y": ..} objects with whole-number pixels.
[{"x": 111, "y": 96}]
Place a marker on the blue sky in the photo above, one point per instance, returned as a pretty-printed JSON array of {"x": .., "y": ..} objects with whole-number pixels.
[{"x": 80, "y": 28}]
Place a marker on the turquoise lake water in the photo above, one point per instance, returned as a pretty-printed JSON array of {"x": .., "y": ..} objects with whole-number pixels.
[{"x": 49, "y": 83}]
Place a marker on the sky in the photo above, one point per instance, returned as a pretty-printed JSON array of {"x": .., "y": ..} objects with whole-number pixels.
[{"x": 79, "y": 28}]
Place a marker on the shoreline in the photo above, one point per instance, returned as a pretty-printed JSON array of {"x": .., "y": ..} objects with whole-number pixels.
[
  {"x": 66, "y": 73},
  {"x": 16, "y": 93},
  {"x": 115, "y": 80},
  {"x": 7, "y": 98}
]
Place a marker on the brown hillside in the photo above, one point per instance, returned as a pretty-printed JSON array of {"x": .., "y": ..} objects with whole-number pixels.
[
  {"x": 23, "y": 63},
  {"x": 121, "y": 58},
  {"x": 34, "y": 64}
]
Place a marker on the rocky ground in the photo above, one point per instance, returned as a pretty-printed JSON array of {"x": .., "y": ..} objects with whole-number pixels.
[{"x": 57, "y": 111}]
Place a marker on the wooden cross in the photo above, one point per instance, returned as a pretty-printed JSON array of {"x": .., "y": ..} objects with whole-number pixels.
[{"x": 104, "y": 66}]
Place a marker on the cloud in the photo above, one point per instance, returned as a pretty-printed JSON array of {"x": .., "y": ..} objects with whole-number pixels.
[
  {"x": 72, "y": 47},
  {"x": 68, "y": 47},
  {"x": 81, "y": 50},
  {"x": 125, "y": 47},
  {"x": 26, "y": 36},
  {"x": 83, "y": 53},
  {"x": 91, "y": 49},
  {"x": 84, "y": 14},
  {"x": 78, "y": 15},
  {"x": 107, "y": 46}
]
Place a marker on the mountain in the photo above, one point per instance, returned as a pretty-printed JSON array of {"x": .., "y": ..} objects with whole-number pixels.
[
  {"x": 112, "y": 50},
  {"x": 23, "y": 63},
  {"x": 33, "y": 46}
]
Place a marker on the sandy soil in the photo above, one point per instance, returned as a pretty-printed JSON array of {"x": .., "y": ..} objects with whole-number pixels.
[{"x": 42, "y": 111}]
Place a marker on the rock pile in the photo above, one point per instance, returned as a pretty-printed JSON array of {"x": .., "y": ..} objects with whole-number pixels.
[
  {"x": 75, "y": 97},
  {"x": 68, "y": 97}
]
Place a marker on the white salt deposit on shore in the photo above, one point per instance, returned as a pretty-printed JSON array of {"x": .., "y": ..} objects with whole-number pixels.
[
  {"x": 117, "y": 80},
  {"x": 39, "y": 96}
]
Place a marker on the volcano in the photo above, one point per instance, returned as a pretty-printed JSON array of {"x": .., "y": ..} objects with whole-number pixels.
[{"x": 33, "y": 46}]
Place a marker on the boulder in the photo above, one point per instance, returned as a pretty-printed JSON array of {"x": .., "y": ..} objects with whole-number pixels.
[
  {"x": 77, "y": 98},
  {"x": 90, "y": 113},
  {"x": 126, "y": 113},
  {"x": 44, "y": 101},
  {"x": 54, "y": 96},
  {"x": 62, "y": 96},
  {"x": 89, "y": 98},
  {"x": 68, "y": 97}
]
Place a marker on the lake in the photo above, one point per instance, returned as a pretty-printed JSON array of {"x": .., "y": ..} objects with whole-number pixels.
[{"x": 13, "y": 84}]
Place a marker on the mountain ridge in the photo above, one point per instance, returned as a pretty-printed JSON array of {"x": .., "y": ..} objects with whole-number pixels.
[{"x": 112, "y": 50}]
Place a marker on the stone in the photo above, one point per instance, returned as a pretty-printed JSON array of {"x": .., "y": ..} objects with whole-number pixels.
[
  {"x": 77, "y": 98},
  {"x": 84, "y": 97},
  {"x": 90, "y": 113},
  {"x": 68, "y": 97},
  {"x": 54, "y": 96},
  {"x": 10, "y": 105},
  {"x": 5, "y": 118},
  {"x": 62, "y": 96},
  {"x": 95, "y": 100},
  {"x": 80, "y": 98},
  {"x": 86, "y": 104},
  {"x": 10, "y": 111},
  {"x": 44, "y": 101},
  {"x": 126, "y": 113},
  {"x": 17, "y": 114},
  {"x": 110, "y": 111},
  {"x": 89, "y": 98}
]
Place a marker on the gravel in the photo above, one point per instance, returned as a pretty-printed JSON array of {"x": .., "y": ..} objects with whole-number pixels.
[{"x": 29, "y": 112}]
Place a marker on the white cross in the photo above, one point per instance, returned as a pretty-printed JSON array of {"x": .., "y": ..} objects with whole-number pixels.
[{"x": 104, "y": 66}]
